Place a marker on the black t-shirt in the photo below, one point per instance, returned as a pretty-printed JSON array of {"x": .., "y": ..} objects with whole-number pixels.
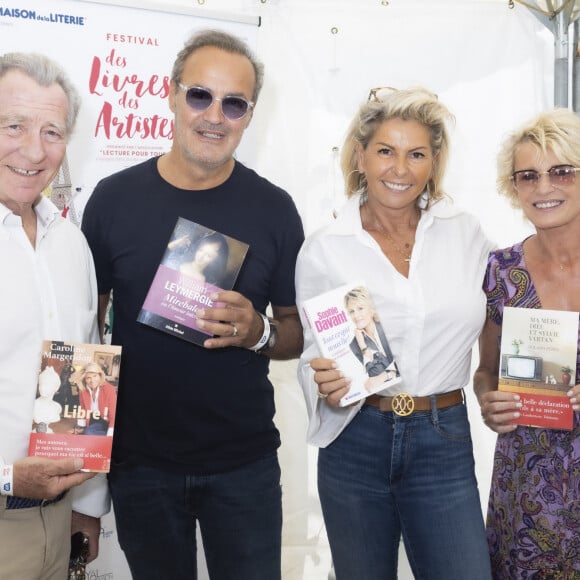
[{"x": 180, "y": 406}]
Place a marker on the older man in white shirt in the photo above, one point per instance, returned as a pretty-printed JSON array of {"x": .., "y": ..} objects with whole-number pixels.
[{"x": 48, "y": 290}]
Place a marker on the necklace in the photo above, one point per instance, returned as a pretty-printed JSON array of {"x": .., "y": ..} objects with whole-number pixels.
[
  {"x": 554, "y": 258},
  {"x": 406, "y": 254}
]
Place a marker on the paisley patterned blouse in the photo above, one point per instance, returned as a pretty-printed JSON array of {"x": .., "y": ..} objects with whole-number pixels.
[{"x": 533, "y": 519}]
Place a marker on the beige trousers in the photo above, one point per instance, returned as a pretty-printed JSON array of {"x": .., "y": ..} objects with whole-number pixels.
[{"x": 35, "y": 542}]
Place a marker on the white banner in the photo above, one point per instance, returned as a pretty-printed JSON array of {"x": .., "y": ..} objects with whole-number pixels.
[{"x": 120, "y": 60}]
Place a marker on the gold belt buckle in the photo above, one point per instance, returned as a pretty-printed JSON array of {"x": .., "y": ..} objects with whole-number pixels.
[{"x": 403, "y": 404}]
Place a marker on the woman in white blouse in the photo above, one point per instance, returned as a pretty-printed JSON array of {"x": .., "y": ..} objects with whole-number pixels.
[{"x": 400, "y": 463}]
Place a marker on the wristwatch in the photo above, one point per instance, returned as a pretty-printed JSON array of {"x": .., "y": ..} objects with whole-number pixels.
[{"x": 272, "y": 338}]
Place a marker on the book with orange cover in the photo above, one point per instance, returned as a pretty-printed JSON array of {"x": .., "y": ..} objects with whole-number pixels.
[
  {"x": 538, "y": 361},
  {"x": 75, "y": 405}
]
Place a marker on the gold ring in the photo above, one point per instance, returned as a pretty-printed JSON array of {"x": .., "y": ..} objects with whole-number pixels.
[{"x": 403, "y": 404}]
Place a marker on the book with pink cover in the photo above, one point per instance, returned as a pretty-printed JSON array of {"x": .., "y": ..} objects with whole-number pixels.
[
  {"x": 75, "y": 405},
  {"x": 538, "y": 361},
  {"x": 346, "y": 328},
  {"x": 197, "y": 262}
]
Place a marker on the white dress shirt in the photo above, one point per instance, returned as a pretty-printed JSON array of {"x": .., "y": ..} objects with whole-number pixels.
[
  {"x": 47, "y": 292},
  {"x": 431, "y": 319}
]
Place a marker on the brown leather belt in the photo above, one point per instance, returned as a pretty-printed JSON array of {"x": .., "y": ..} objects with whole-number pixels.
[{"x": 404, "y": 404}]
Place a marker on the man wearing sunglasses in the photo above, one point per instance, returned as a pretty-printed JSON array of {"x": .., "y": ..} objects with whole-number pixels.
[{"x": 195, "y": 440}]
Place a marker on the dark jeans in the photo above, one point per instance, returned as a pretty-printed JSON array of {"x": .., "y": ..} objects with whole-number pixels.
[
  {"x": 385, "y": 477},
  {"x": 239, "y": 514}
]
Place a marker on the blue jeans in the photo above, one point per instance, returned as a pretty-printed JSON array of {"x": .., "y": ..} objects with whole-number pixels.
[
  {"x": 239, "y": 514},
  {"x": 387, "y": 476}
]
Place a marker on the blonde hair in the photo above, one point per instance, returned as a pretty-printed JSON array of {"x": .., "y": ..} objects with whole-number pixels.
[
  {"x": 362, "y": 295},
  {"x": 557, "y": 130},
  {"x": 414, "y": 104},
  {"x": 92, "y": 367}
]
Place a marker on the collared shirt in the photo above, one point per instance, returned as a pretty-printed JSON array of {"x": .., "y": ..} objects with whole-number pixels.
[
  {"x": 46, "y": 292},
  {"x": 431, "y": 319}
]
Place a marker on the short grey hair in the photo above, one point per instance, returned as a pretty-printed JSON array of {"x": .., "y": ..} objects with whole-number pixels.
[
  {"x": 45, "y": 72},
  {"x": 223, "y": 41}
]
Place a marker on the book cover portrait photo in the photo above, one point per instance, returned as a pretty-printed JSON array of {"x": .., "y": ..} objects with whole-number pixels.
[
  {"x": 196, "y": 263},
  {"x": 347, "y": 329},
  {"x": 75, "y": 404}
]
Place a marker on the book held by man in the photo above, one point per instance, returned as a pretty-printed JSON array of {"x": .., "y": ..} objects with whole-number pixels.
[
  {"x": 346, "y": 327},
  {"x": 538, "y": 361},
  {"x": 197, "y": 262},
  {"x": 75, "y": 406}
]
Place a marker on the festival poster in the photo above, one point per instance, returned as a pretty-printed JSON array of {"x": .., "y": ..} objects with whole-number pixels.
[{"x": 120, "y": 60}]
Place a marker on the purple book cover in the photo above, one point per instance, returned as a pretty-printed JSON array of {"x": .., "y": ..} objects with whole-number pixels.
[{"x": 197, "y": 262}]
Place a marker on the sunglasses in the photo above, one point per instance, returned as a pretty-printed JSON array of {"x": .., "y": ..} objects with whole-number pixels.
[
  {"x": 200, "y": 99},
  {"x": 377, "y": 94},
  {"x": 527, "y": 181}
]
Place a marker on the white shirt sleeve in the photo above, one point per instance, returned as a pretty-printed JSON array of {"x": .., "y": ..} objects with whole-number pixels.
[{"x": 92, "y": 497}]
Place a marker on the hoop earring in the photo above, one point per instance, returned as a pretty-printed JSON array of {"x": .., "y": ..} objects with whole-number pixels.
[
  {"x": 424, "y": 199},
  {"x": 361, "y": 186},
  {"x": 350, "y": 173}
]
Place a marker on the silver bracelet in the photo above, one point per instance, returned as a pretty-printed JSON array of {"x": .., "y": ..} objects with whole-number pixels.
[{"x": 265, "y": 336}]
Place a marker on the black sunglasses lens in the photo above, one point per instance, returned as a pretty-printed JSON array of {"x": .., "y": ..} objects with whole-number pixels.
[
  {"x": 234, "y": 107},
  {"x": 198, "y": 99}
]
